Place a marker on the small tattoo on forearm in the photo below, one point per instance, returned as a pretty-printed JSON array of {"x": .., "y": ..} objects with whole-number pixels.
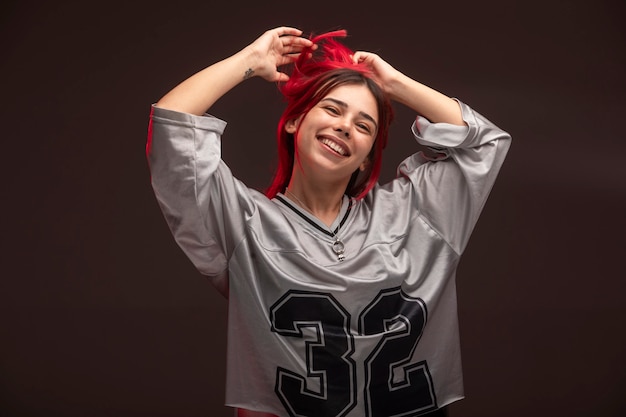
[{"x": 248, "y": 74}]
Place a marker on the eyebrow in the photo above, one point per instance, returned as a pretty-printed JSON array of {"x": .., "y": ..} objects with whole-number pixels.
[{"x": 345, "y": 105}]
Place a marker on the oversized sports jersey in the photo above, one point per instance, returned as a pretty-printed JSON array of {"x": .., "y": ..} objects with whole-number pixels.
[{"x": 312, "y": 334}]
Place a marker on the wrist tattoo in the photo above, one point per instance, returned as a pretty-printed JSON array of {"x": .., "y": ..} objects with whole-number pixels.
[{"x": 249, "y": 72}]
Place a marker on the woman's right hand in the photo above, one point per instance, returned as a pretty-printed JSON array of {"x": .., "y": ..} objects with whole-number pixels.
[
  {"x": 262, "y": 58},
  {"x": 273, "y": 49}
]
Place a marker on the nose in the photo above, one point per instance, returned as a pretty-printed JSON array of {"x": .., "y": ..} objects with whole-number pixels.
[
  {"x": 343, "y": 127},
  {"x": 345, "y": 132}
]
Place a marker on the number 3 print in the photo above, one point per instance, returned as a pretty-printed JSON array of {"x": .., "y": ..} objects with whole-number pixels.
[{"x": 394, "y": 385}]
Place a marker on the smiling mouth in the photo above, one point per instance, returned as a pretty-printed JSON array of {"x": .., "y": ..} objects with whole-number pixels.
[{"x": 335, "y": 147}]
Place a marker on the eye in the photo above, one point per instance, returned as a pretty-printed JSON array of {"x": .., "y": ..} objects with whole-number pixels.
[
  {"x": 364, "y": 126},
  {"x": 331, "y": 109}
]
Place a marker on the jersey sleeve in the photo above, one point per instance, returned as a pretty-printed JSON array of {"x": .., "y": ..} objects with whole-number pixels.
[
  {"x": 203, "y": 204},
  {"x": 453, "y": 185}
]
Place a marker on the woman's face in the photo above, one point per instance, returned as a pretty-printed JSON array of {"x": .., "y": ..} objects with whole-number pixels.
[{"x": 335, "y": 137}]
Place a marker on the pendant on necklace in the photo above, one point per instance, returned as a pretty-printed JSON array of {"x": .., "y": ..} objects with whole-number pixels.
[{"x": 339, "y": 248}]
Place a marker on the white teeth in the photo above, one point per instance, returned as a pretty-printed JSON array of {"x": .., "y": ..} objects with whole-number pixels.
[{"x": 334, "y": 146}]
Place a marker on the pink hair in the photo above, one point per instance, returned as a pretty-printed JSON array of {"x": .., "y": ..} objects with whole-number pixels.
[{"x": 315, "y": 73}]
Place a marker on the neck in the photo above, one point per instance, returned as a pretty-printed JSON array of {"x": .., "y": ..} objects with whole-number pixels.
[{"x": 322, "y": 204}]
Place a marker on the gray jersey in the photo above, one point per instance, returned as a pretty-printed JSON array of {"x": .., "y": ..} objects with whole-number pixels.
[{"x": 309, "y": 335}]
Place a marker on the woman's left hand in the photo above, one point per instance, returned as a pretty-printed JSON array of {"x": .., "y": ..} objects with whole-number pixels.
[{"x": 385, "y": 74}]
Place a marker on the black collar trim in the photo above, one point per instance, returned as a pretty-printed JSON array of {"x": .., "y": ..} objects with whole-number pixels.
[{"x": 312, "y": 223}]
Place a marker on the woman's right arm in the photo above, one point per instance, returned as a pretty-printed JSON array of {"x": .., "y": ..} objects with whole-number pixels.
[
  {"x": 262, "y": 58},
  {"x": 195, "y": 190}
]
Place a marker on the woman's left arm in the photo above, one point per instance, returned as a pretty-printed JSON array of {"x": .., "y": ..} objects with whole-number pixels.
[
  {"x": 453, "y": 185},
  {"x": 430, "y": 103}
]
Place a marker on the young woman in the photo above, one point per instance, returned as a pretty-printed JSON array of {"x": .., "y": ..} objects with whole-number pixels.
[{"x": 342, "y": 297}]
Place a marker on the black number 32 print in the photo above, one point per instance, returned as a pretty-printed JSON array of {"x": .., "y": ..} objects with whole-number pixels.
[{"x": 394, "y": 385}]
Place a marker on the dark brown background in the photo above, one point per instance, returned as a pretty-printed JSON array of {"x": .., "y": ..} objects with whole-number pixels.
[{"x": 102, "y": 314}]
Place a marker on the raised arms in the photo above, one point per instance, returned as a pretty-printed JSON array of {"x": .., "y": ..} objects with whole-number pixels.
[{"x": 281, "y": 46}]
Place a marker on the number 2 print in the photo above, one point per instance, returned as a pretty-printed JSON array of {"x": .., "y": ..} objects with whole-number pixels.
[{"x": 394, "y": 385}]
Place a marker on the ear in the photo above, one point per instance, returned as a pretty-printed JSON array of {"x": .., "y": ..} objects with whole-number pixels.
[
  {"x": 292, "y": 125},
  {"x": 365, "y": 164}
]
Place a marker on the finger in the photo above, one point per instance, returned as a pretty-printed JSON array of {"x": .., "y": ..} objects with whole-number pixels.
[
  {"x": 287, "y": 59},
  {"x": 292, "y": 49},
  {"x": 358, "y": 57},
  {"x": 368, "y": 58},
  {"x": 286, "y": 30},
  {"x": 281, "y": 77},
  {"x": 296, "y": 41}
]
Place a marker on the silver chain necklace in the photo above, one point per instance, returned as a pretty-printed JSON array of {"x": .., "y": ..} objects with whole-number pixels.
[{"x": 338, "y": 246}]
